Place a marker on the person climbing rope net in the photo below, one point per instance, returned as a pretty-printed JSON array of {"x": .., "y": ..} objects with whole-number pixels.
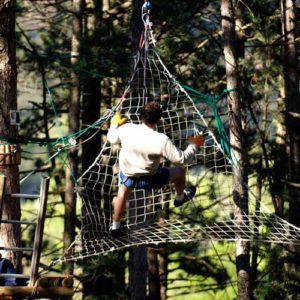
[{"x": 142, "y": 150}]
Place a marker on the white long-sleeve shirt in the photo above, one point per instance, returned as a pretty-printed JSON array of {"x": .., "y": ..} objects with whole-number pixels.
[{"x": 143, "y": 148}]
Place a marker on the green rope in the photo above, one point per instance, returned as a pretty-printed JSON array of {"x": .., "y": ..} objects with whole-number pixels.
[
  {"x": 223, "y": 136},
  {"x": 212, "y": 101},
  {"x": 62, "y": 138},
  {"x": 66, "y": 162}
]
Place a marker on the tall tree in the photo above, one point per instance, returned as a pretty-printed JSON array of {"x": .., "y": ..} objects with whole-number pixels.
[
  {"x": 292, "y": 100},
  {"x": 153, "y": 274},
  {"x": 10, "y": 234},
  {"x": 157, "y": 272},
  {"x": 138, "y": 255},
  {"x": 240, "y": 196},
  {"x": 91, "y": 84},
  {"x": 104, "y": 24},
  {"x": 74, "y": 117},
  {"x": 163, "y": 272}
]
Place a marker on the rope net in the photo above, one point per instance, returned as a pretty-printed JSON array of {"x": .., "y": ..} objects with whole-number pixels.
[{"x": 150, "y": 216}]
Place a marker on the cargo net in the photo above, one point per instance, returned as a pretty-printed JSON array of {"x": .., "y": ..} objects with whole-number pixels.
[{"x": 150, "y": 216}]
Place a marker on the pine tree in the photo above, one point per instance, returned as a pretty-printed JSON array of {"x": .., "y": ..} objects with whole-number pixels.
[
  {"x": 10, "y": 234},
  {"x": 138, "y": 255},
  {"x": 240, "y": 197},
  {"x": 74, "y": 117}
]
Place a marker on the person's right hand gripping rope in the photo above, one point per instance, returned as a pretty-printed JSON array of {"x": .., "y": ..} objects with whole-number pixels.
[{"x": 197, "y": 140}]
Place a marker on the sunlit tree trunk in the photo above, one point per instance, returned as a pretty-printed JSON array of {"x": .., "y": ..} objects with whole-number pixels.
[
  {"x": 74, "y": 115},
  {"x": 10, "y": 235},
  {"x": 153, "y": 271},
  {"x": 163, "y": 272},
  {"x": 240, "y": 195}
]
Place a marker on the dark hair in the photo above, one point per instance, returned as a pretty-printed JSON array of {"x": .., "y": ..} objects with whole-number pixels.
[{"x": 151, "y": 113}]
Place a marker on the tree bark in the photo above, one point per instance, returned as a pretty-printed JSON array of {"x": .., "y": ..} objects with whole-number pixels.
[
  {"x": 153, "y": 271},
  {"x": 138, "y": 255},
  {"x": 91, "y": 98},
  {"x": 74, "y": 117},
  {"x": 240, "y": 196},
  {"x": 110, "y": 279},
  {"x": 292, "y": 118},
  {"x": 163, "y": 272},
  {"x": 10, "y": 234},
  {"x": 292, "y": 100},
  {"x": 255, "y": 247}
]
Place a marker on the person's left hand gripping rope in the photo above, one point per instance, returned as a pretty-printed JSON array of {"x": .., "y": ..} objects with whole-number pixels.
[{"x": 118, "y": 120}]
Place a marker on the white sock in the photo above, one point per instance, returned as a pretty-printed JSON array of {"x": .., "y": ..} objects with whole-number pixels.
[
  {"x": 115, "y": 225},
  {"x": 180, "y": 197}
]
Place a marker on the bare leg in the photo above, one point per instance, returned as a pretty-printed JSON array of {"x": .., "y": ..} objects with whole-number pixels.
[
  {"x": 120, "y": 202},
  {"x": 177, "y": 175}
]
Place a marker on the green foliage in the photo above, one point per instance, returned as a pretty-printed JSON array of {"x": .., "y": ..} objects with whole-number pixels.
[{"x": 202, "y": 269}]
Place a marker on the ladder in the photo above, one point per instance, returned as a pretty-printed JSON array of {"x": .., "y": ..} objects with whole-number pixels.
[
  {"x": 38, "y": 287},
  {"x": 39, "y": 228}
]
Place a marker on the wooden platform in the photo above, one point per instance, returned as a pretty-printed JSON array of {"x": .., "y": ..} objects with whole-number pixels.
[
  {"x": 36, "y": 292},
  {"x": 52, "y": 286}
]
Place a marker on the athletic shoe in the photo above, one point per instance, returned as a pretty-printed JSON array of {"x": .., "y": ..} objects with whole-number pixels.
[
  {"x": 189, "y": 192},
  {"x": 115, "y": 233}
]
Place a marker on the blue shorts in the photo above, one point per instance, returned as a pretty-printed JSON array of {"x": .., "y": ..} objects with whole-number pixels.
[{"x": 156, "y": 181}]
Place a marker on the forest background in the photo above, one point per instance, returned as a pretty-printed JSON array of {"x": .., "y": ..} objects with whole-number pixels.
[{"x": 74, "y": 59}]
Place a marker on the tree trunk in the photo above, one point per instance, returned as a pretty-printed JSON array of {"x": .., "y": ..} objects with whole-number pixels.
[
  {"x": 279, "y": 166},
  {"x": 74, "y": 114},
  {"x": 138, "y": 255},
  {"x": 163, "y": 272},
  {"x": 292, "y": 100},
  {"x": 255, "y": 247},
  {"x": 91, "y": 96},
  {"x": 240, "y": 196},
  {"x": 110, "y": 279},
  {"x": 157, "y": 273},
  {"x": 10, "y": 235},
  {"x": 153, "y": 271}
]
